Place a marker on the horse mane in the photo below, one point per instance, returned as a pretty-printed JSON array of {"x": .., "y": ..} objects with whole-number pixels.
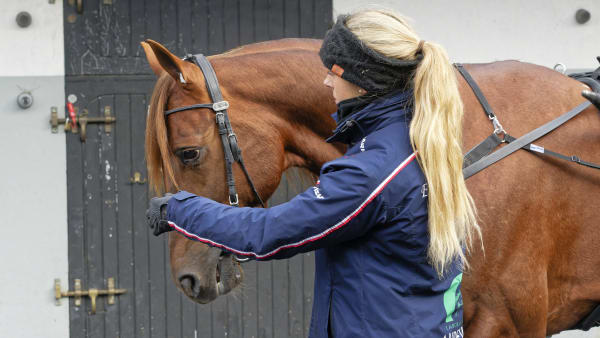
[
  {"x": 158, "y": 153},
  {"x": 157, "y": 149}
]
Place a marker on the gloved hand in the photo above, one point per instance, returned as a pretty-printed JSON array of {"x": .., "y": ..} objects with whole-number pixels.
[{"x": 156, "y": 215}]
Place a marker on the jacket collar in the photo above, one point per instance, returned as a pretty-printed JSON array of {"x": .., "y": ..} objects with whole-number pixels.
[{"x": 376, "y": 115}]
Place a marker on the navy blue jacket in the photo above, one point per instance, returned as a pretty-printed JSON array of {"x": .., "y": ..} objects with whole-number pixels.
[{"x": 367, "y": 220}]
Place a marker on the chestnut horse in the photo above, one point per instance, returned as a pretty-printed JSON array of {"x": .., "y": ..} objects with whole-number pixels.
[{"x": 540, "y": 271}]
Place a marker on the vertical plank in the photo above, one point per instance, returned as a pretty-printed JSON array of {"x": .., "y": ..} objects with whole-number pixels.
[
  {"x": 106, "y": 25},
  {"x": 246, "y": 9},
  {"x": 199, "y": 27},
  {"x": 306, "y": 14},
  {"x": 204, "y": 322},
  {"x": 323, "y": 18},
  {"x": 108, "y": 200},
  {"x": 140, "y": 233},
  {"x": 231, "y": 24},
  {"x": 296, "y": 297},
  {"x": 276, "y": 19},
  {"x": 234, "y": 314},
  {"x": 265, "y": 299},
  {"x": 121, "y": 29},
  {"x": 308, "y": 275},
  {"x": 174, "y": 315},
  {"x": 215, "y": 27},
  {"x": 249, "y": 295},
  {"x": 184, "y": 26},
  {"x": 93, "y": 25},
  {"x": 152, "y": 20},
  {"x": 157, "y": 280},
  {"x": 138, "y": 27},
  {"x": 76, "y": 225},
  {"x": 261, "y": 20},
  {"x": 291, "y": 18},
  {"x": 124, "y": 215},
  {"x": 280, "y": 298},
  {"x": 74, "y": 44},
  {"x": 93, "y": 226},
  {"x": 189, "y": 321},
  {"x": 219, "y": 317},
  {"x": 168, "y": 24}
]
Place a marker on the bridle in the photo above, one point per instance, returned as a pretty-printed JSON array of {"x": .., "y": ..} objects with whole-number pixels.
[{"x": 228, "y": 138}]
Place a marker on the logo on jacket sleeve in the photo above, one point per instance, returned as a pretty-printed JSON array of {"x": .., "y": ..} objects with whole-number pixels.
[
  {"x": 318, "y": 193},
  {"x": 362, "y": 144}
]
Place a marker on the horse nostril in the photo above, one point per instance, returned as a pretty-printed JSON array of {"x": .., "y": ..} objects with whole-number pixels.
[{"x": 187, "y": 283}]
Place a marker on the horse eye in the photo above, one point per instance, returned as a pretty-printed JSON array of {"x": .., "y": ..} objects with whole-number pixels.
[{"x": 189, "y": 156}]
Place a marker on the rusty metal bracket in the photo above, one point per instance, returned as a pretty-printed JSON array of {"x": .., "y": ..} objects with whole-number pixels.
[
  {"x": 82, "y": 120},
  {"x": 137, "y": 178},
  {"x": 92, "y": 293}
]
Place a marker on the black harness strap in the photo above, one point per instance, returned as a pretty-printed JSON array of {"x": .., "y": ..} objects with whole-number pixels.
[
  {"x": 480, "y": 158},
  {"x": 231, "y": 149},
  {"x": 476, "y": 90},
  {"x": 523, "y": 141},
  {"x": 535, "y": 149}
]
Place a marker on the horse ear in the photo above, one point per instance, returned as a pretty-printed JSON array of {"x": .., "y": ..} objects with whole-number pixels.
[{"x": 160, "y": 59}]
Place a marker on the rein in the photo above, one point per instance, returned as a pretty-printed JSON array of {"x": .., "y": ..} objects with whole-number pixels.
[{"x": 232, "y": 151}]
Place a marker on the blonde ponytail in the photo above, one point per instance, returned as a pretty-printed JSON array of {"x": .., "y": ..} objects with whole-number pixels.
[{"x": 435, "y": 132}]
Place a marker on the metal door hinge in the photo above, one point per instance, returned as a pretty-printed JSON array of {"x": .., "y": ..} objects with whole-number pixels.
[
  {"x": 77, "y": 123},
  {"x": 137, "y": 178},
  {"x": 92, "y": 293}
]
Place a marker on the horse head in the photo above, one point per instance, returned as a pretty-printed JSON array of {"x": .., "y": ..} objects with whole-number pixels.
[{"x": 279, "y": 110}]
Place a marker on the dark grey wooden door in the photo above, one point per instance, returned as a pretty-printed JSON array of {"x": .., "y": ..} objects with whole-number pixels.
[{"x": 106, "y": 67}]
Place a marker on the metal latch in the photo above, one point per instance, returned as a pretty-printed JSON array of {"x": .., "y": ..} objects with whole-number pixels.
[
  {"x": 92, "y": 293},
  {"x": 77, "y": 123},
  {"x": 137, "y": 178}
]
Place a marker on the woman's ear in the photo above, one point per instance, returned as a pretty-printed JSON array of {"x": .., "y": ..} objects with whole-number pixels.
[{"x": 160, "y": 59}]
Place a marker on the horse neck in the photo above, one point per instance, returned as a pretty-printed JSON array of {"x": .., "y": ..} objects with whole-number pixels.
[{"x": 287, "y": 85}]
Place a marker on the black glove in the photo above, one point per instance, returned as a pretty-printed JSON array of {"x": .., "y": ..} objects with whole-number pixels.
[{"x": 156, "y": 215}]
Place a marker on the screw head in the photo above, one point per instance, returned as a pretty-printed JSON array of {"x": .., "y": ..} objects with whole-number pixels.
[
  {"x": 25, "y": 100},
  {"x": 24, "y": 19},
  {"x": 582, "y": 16}
]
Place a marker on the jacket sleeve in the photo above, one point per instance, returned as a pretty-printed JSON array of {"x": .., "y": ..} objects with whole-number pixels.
[{"x": 344, "y": 205}]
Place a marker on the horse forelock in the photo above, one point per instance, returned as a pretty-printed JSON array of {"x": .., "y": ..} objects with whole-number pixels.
[{"x": 158, "y": 155}]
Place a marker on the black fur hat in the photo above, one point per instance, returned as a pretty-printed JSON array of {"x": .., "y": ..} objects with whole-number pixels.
[{"x": 348, "y": 57}]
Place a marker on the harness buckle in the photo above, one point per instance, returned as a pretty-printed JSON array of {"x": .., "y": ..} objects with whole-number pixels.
[
  {"x": 498, "y": 129},
  {"x": 220, "y": 118},
  {"x": 221, "y": 105},
  {"x": 235, "y": 201}
]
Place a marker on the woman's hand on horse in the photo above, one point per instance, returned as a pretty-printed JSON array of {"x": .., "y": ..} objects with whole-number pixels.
[{"x": 156, "y": 215}]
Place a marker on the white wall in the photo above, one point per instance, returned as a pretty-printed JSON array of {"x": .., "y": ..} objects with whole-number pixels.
[
  {"x": 33, "y": 245},
  {"x": 539, "y": 31},
  {"x": 37, "y": 50}
]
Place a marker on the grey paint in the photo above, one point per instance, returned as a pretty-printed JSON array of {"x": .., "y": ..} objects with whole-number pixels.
[
  {"x": 107, "y": 232},
  {"x": 32, "y": 199},
  {"x": 113, "y": 32}
]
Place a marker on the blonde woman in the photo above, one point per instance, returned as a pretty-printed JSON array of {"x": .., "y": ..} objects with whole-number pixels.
[{"x": 390, "y": 219}]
